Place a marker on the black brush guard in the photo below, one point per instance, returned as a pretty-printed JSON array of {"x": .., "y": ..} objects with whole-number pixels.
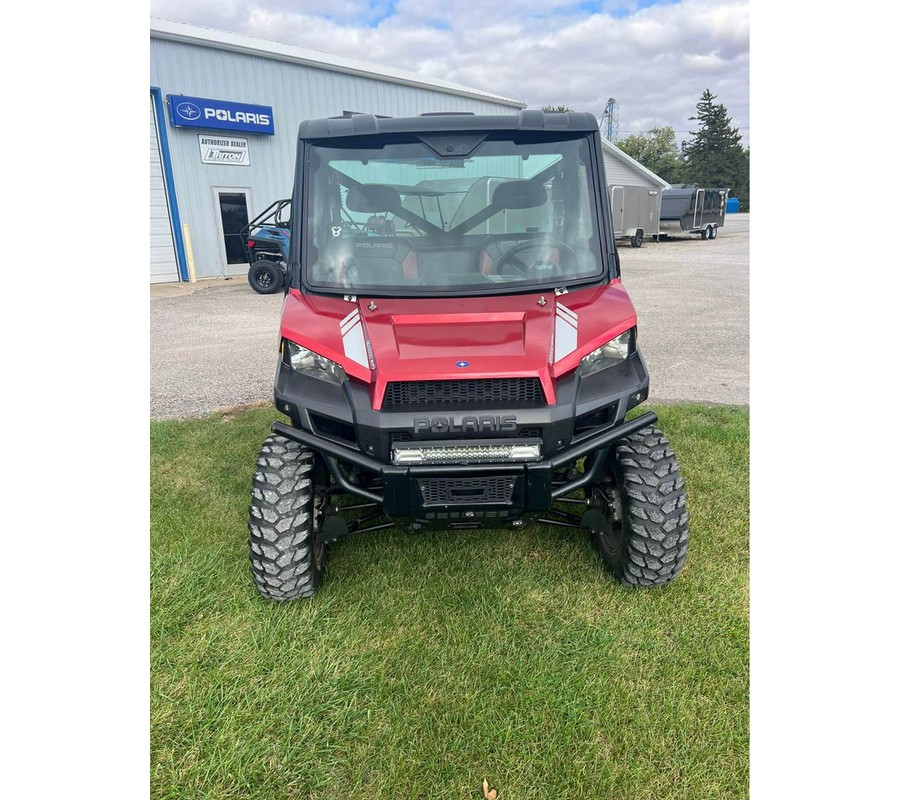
[{"x": 534, "y": 493}]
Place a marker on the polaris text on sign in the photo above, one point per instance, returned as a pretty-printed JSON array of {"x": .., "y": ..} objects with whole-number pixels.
[{"x": 202, "y": 112}]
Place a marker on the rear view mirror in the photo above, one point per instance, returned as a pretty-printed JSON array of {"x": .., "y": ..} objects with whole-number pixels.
[
  {"x": 370, "y": 198},
  {"x": 519, "y": 194}
]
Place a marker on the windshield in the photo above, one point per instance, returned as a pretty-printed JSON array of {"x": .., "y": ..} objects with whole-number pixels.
[{"x": 401, "y": 218}]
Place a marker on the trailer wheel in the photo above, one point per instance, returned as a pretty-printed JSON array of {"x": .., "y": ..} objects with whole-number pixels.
[
  {"x": 707, "y": 233},
  {"x": 265, "y": 276},
  {"x": 286, "y": 506},
  {"x": 638, "y": 239},
  {"x": 715, "y": 232},
  {"x": 640, "y": 525}
]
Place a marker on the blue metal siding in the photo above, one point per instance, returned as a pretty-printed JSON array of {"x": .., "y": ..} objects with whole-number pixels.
[
  {"x": 296, "y": 92},
  {"x": 171, "y": 196}
]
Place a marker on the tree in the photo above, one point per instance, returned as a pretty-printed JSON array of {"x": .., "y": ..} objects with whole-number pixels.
[
  {"x": 556, "y": 108},
  {"x": 657, "y": 151},
  {"x": 715, "y": 156}
]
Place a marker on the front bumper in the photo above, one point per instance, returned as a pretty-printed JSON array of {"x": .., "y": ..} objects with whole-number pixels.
[
  {"x": 468, "y": 494},
  {"x": 338, "y": 422}
]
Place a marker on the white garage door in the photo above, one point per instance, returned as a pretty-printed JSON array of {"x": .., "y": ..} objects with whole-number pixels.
[{"x": 163, "y": 266}]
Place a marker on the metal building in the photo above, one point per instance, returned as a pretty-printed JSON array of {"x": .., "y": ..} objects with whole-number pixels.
[
  {"x": 635, "y": 195},
  {"x": 224, "y": 113}
]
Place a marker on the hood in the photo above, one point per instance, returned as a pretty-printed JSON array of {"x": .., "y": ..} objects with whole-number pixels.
[{"x": 380, "y": 340}]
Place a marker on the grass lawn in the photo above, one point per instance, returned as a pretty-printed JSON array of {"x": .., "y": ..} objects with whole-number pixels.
[{"x": 428, "y": 662}]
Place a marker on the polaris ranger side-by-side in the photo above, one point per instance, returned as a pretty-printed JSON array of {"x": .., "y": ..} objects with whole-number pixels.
[
  {"x": 267, "y": 244},
  {"x": 458, "y": 351}
]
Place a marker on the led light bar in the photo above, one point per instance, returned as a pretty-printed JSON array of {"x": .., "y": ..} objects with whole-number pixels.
[{"x": 457, "y": 453}]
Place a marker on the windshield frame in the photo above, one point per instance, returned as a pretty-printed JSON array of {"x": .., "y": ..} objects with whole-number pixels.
[{"x": 607, "y": 258}]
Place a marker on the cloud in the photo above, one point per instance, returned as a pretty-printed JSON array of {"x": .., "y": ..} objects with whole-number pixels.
[{"x": 655, "y": 59}]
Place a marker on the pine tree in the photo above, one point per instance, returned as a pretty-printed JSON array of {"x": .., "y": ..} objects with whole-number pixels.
[{"x": 715, "y": 156}]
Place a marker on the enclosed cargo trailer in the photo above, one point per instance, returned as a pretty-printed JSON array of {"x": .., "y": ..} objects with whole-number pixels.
[
  {"x": 635, "y": 213},
  {"x": 634, "y": 193},
  {"x": 693, "y": 209}
]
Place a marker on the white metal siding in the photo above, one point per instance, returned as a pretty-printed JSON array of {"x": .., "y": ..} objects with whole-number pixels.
[
  {"x": 163, "y": 266},
  {"x": 295, "y": 92},
  {"x": 620, "y": 173}
]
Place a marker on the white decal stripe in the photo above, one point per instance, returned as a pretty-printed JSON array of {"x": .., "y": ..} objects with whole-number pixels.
[
  {"x": 567, "y": 313},
  {"x": 355, "y": 344},
  {"x": 566, "y": 335},
  {"x": 346, "y": 321}
]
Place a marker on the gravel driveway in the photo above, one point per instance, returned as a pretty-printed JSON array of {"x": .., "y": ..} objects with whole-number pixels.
[{"x": 214, "y": 344}]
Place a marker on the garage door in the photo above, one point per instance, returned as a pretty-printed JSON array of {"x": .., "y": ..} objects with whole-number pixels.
[{"x": 163, "y": 266}]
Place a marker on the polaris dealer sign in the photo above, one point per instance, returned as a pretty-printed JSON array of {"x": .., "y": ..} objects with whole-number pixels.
[
  {"x": 224, "y": 150},
  {"x": 200, "y": 112}
]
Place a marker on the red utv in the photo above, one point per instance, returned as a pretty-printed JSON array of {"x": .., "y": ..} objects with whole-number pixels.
[{"x": 458, "y": 351}]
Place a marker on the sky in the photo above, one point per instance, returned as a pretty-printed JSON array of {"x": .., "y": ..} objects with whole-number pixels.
[{"x": 655, "y": 57}]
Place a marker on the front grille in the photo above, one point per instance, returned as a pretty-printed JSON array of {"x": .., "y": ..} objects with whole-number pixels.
[
  {"x": 466, "y": 491},
  {"x": 476, "y": 392}
]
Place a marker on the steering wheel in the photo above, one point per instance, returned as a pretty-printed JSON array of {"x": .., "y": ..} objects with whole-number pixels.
[{"x": 510, "y": 259}]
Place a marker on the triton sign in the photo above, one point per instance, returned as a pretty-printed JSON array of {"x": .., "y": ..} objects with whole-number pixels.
[
  {"x": 224, "y": 150},
  {"x": 200, "y": 112}
]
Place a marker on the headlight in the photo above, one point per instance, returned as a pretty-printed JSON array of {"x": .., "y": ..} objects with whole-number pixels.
[
  {"x": 309, "y": 363},
  {"x": 613, "y": 352}
]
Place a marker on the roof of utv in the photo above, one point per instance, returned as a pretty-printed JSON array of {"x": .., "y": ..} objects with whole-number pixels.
[{"x": 449, "y": 122}]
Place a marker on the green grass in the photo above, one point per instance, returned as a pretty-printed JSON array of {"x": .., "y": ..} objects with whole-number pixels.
[{"x": 428, "y": 662}]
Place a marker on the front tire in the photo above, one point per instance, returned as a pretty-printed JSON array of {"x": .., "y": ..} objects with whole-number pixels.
[
  {"x": 642, "y": 534},
  {"x": 265, "y": 276},
  {"x": 638, "y": 239},
  {"x": 285, "y": 511}
]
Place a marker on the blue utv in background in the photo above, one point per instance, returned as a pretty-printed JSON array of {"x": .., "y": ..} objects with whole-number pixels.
[{"x": 267, "y": 243}]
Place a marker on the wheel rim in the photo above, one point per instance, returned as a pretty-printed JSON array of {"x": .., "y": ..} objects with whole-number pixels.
[
  {"x": 610, "y": 530},
  {"x": 264, "y": 277},
  {"x": 318, "y": 511}
]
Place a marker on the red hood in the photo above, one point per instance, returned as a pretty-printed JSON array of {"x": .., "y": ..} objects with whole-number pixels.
[{"x": 452, "y": 337}]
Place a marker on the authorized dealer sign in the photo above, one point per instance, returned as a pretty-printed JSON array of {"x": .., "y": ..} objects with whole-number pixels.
[{"x": 224, "y": 150}]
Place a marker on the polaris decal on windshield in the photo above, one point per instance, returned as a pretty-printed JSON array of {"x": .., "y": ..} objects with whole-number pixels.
[
  {"x": 354, "y": 341},
  {"x": 565, "y": 332}
]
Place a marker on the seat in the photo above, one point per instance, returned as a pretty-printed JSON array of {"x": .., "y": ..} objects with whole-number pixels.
[{"x": 379, "y": 260}]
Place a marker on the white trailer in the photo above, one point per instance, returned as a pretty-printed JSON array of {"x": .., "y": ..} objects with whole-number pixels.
[{"x": 635, "y": 195}]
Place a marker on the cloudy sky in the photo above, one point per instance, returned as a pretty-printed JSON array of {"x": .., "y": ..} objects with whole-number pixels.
[{"x": 654, "y": 56}]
